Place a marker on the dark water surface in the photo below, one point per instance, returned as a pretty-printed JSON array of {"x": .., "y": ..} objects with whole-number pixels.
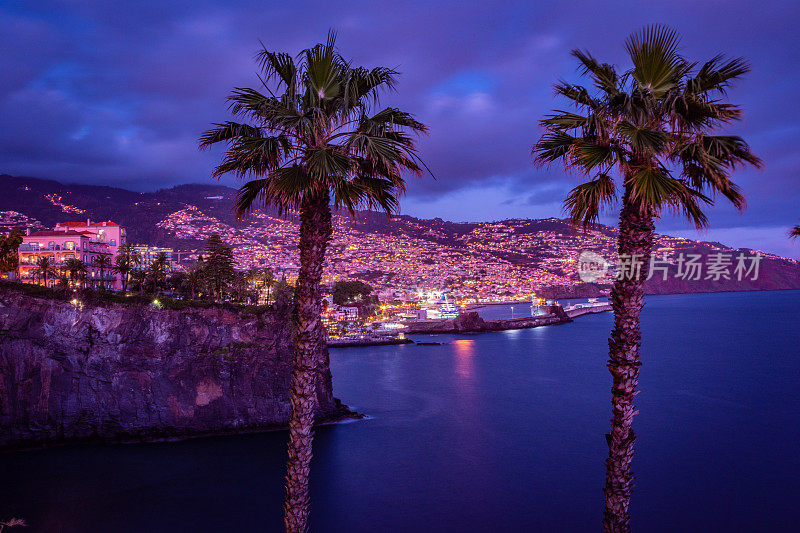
[{"x": 494, "y": 432}]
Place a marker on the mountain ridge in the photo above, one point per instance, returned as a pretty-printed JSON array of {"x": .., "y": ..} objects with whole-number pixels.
[{"x": 502, "y": 258}]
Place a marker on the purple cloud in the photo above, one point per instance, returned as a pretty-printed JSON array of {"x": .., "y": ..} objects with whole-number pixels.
[{"x": 117, "y": 92}]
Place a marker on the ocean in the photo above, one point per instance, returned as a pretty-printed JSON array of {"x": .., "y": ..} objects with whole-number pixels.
[{"x": 500, "y": 431}]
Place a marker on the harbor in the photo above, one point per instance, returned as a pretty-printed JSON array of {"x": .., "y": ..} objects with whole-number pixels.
[{"x": 542, "y": 313}]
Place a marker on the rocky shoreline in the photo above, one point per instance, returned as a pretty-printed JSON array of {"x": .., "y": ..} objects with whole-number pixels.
[{"x": 73, "y": 372}]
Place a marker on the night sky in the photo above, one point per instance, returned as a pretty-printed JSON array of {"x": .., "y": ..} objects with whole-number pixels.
[{"x": 117, "y": 93}]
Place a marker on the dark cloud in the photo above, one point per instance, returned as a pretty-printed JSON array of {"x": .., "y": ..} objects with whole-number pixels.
[{"x": 118, "y": 92}]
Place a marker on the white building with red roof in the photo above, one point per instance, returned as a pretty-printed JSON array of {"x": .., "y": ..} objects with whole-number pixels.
[{"x": 109, "y": 232}]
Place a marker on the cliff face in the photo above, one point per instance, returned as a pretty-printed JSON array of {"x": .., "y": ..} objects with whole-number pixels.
[{"x": 135, "y": 372}]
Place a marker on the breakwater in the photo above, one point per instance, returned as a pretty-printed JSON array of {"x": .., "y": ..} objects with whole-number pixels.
[
  {"x": 366, "y": 341},
  {"x": 471, "y": 322}
]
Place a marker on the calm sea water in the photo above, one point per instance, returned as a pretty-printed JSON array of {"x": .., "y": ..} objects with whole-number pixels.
[{"x": 494, "y": 432}]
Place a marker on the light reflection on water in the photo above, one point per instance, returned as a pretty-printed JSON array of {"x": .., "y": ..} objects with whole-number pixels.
[{"x": 500, "y": 431}]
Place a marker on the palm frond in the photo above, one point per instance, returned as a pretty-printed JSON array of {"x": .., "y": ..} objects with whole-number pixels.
[
  {"x": 257, "y": 155},
  {"x": 247, "y": 101},
  {"x": 387, "y": 119},
  {"x": 643, "y": 139},
  {"x": 654, "y": 190},
  {"x": 604, "y": 75},
  {"x": 552, "y": 146},
  {"x": 657, "y": 65},
  {"x": 330, "y": 160},
  {"x": 366, "y": 191},
  {"x": 585, "y": 202},
  {"x": 564, "y": 120},
  {"x": 730, "y": 149},
  {"x": 578, "y": 94},
  {"x": 717, "y": 75},
  {"x": 227, "y": 131},
  {"x": 687, "y": 202},
  {"x": 278, "y": 65},
  {"x": 588, "y": 154},
  {"x": 694, "y": 113},
  {"x": 367, "y": 83},
  {"x": 248, "y": 196}
]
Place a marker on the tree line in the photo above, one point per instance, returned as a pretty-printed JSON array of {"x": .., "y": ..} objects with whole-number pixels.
[{"x": 212, "y": 278}]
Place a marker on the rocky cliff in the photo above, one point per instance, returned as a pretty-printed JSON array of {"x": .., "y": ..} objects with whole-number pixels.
[{"x": 70, "y": 371}]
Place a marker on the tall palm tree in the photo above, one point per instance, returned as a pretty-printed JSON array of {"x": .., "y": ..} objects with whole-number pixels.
[
  {"x": 103, "y": 263},
  {"x": 45, "y": 267},
  {"x": 314, "y": 138},
  {"x": 648, "y": 135},
  {"x": 794, "y": 232}
]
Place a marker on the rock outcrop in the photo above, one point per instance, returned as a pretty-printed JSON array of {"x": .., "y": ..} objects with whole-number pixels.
[{"x": 119, "y": 372}]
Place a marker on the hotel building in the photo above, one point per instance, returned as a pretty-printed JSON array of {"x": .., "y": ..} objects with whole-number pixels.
[
  {"x": 73, "y": 240},
  {"x": 148, "y": 254},
  {"x": 107, "y": 232}
]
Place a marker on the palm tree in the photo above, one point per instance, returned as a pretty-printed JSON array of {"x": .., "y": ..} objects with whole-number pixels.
[
  {"x": 268, "y": 277},
  {"x": 45, "y": 267},
  {"x": 74, "y": 267},
  {"x": 157, "y": 272},
  {"x": 794, "y": 232},
  {"x": 83, "y": 274},
  {"x": 194, "y": 277},
  {"x": 140, "y": 277},
  {"x": 103, "y": 263},
  {"x": 649, "y": 135},
  {"x": 127, "y": 259},
  {"x": 313, "y": 139}
]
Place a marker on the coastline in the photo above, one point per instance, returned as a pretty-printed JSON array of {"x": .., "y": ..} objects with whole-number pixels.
[
  {"x": 471, "y": 322},
  {"x": 351, "y": 343},
  {"x": 344, "y": 416}
]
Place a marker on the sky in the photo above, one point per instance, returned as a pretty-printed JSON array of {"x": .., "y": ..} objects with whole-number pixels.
[{"x": 117, "y": 93}]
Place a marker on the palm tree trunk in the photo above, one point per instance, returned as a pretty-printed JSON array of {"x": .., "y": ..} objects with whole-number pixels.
[
  {"x": 315, "y": 232},
  {"x": 636, "y": 232}
]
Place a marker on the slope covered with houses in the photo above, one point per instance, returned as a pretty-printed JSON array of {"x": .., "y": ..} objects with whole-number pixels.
[{"x": 396, "y": 255}]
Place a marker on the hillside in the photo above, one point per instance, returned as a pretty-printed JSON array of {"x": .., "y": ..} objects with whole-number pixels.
[{"x": 493, "y": 259}]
